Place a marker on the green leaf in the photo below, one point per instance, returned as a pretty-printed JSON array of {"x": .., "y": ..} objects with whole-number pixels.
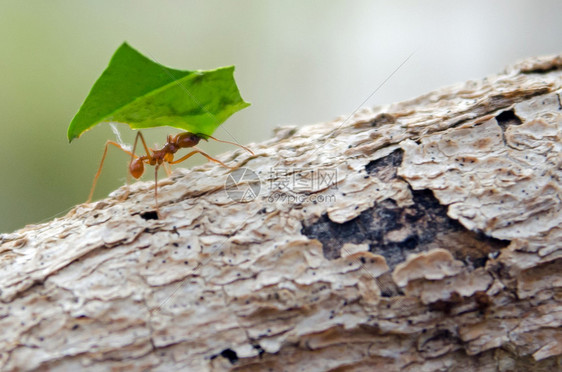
[{"x": 137, "y": 91}]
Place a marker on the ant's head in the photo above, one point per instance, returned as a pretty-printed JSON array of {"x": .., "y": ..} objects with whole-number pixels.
[
  {"x": 187, "y": 139},
  {"x": 136, "y": 168}
]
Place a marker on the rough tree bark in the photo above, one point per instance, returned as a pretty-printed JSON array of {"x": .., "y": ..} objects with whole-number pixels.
[{"x": 423, "y": 236}]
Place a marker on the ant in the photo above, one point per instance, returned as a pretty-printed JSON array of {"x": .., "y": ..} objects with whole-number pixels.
[{"x": 164, "y": 156}]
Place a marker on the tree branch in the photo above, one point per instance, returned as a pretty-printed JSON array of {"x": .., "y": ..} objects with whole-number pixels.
[{"x": 418, "y": 236}]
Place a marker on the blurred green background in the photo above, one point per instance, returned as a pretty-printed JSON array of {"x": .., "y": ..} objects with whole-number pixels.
[{"x": 297, "y": 62}]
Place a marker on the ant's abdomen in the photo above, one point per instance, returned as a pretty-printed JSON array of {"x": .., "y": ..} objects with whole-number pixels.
[{"x": 136, "y": 168}]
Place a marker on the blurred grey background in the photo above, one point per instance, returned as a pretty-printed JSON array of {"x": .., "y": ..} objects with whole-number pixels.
[{"x": 297, "y": 62}]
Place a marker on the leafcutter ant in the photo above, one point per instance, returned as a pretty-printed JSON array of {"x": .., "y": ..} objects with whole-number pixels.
[{"x": 163, "y": 157}]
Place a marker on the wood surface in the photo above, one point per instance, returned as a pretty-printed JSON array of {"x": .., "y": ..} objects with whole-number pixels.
[{"x": 424, "y": 235}]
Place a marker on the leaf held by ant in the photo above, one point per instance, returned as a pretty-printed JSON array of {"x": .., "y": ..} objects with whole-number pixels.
[{"x": 141, "y": 93}]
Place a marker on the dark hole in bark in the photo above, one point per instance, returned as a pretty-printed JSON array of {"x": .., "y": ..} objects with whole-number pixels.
[
  {"x": 385, "y": 168},
  {"x": 151, "y": 215},
  {"x": 260, "y": 349},
  {"x": 541, "y": 69},
  {"x": 382, "y": 119},
  {"x": 507, "y": 118},
  {"x": 230, "y": 355},
  {"x": 394, "y": 232}
]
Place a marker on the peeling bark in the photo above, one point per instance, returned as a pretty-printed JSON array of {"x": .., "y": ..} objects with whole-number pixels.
[{"x": 437, "y": 246}]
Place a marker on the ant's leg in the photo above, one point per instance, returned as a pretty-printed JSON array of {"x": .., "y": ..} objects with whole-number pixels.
[
  {"x": 101, "y": 165},
  {"x": 184, "y": 157},
  {"x": 139, "y": 134},
  {"x": 143, "y": 143},
  {"x": 211, "y": 158},
  {"x": 156, "y": 188},
  {"x": 202, "y": 153},
  {"x": 167, "y": 169},
  {"x": 233, "y": 143}
]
